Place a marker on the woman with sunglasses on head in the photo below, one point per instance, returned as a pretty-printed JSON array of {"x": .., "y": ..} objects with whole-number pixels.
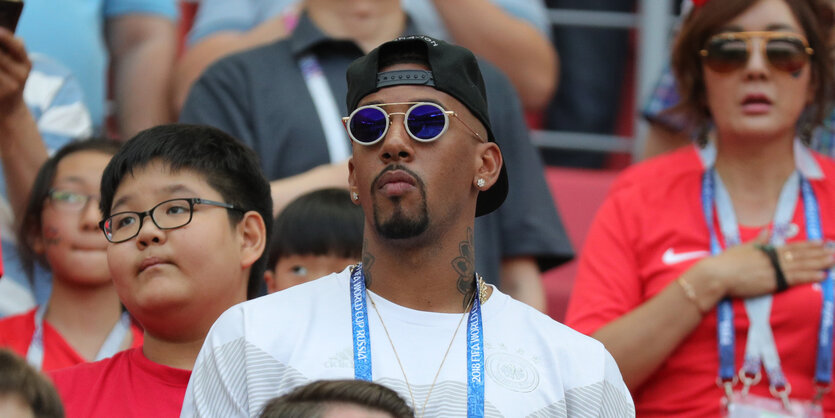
[
  {"x": 705, "y": 272},
  {"x": 83, "y": 319}
]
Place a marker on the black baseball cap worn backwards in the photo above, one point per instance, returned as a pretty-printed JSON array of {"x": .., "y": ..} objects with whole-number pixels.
[{"x": 452, "y": 69}]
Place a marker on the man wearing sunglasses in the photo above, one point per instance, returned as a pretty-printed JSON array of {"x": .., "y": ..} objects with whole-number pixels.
[
  {"x": 425, "y": 164},
  {"x": 284, "y": 101}
]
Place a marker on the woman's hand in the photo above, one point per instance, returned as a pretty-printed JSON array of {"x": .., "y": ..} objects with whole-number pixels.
[
  {"x": 14, "y": 70},
  {"x": 745, "y": 270}
]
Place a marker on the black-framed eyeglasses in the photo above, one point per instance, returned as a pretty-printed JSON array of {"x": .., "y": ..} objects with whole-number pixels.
[
  {"x": 170, "y": 214},
  {"x": 424, "y": 121},
  {"x": 69, "y": 201}
]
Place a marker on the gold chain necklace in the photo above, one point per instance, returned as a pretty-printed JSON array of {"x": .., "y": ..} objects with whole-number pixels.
[{"x": 482, "y": 294}]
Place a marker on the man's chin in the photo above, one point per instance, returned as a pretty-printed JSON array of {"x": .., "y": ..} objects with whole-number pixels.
[{"x": 401, "y": 228}]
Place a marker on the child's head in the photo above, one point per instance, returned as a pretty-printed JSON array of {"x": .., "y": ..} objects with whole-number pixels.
[
  {"x": 318, "y": 233},
  {"x": 59, "y": 228},
  {"x": 338, "y": 398},
  {"x": 202, "y": 249},
  {"x": 24, "y": 392}
]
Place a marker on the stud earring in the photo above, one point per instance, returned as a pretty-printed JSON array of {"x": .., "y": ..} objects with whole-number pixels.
[
  {"x": 480, "y": 182},
  {"x": 355, "y": 196}
]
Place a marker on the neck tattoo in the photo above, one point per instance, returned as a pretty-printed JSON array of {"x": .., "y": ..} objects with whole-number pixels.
[
  {"x": 481, "y": 288},
  {"x": 367, "y": 262},
  {"x": 464, "y": 265}
]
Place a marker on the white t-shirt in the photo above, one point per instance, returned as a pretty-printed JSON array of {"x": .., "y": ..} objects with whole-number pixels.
[{"x": 534, "y": 365}]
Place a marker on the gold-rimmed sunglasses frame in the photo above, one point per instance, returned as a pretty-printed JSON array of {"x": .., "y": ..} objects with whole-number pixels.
[{"x": 747, "y": 37}]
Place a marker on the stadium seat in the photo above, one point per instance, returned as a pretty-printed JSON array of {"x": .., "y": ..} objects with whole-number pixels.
[{"x": 577, "y": 193}]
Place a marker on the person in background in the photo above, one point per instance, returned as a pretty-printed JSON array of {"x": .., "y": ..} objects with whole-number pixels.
[
  {"x": 668, "y": 131},
  {"x": 187, "y": 213},
  {"x": 24, "y": 392},
  {"x": 512, "y": 34},
  {"x": 41, "y": 110},
  {"x": 317, "y": 234},
  {"x": 82, "y": 320},
  {"x": 127, "y": 44},
  {"x": 338, "y": 398},
  {"x": 281, "y": 100},
  {"x": 708, "y": 265}
]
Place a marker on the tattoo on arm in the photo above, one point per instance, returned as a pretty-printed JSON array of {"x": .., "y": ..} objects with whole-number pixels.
[
  {"x": 367, "y": 262},
  {"x": 464, "y": 265}
]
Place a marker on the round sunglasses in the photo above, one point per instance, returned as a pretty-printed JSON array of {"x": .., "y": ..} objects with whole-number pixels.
[
  {"x": 424, "y": 121},
  {"x": 785, "y": 51}
]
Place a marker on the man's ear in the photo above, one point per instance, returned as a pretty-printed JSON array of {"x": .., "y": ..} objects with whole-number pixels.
[
  {"x": 253, "y": 238},
  {"x": 488, "y": 165},
  {"x": 352, "y": 182}
]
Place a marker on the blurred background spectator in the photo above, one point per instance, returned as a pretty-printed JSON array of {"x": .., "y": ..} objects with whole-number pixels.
[
  {"x": 41, "y": 109},
  {"x": 135, "y": 40},
  {"x": 688, "y": 241},
  {"x": 512, "y": 34}
]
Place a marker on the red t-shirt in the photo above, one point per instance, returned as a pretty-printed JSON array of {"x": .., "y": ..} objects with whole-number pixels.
[
  {"x": 650, "y": 230},
  {"x": 16, "y": 334},
  {"x": 125, "y": 385}
]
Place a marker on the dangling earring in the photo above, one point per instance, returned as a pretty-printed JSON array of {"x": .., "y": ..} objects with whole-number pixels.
[
  {"x": 480, "y": 182},
  {"x": 355, "y": 196}
]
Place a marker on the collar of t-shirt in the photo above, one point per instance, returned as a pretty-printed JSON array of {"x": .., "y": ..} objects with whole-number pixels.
[
  {"x": 307, "y": 35},
  {"x": 804, "y": 160},
  {"x": 166, "y": 375},
  {"x": 392, "y": 312}
]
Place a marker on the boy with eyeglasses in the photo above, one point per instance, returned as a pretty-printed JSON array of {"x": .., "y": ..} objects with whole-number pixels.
[{"x": 187, "y": 213}]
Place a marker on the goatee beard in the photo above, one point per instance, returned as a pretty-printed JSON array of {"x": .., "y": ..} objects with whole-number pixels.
[{"x": 399, "y": 225}]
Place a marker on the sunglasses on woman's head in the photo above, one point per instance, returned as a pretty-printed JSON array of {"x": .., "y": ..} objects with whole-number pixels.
[
  {"x": 424, "y": 121},
  {"x": 785, "y": 51}
]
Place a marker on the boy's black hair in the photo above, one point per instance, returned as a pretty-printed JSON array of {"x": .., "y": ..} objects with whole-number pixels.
[
  {"x": 17, "y": 378},
  {"x": 228, "y": 166},
  {"x": 321, "y": 222},
  {"x": 314, "y": 399},
  {"x": 30, "y": 224}
]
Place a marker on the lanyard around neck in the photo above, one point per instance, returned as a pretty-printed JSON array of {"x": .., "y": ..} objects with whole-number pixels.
[
  {"x": 475, "y": 342},
  {"x": 111, "y": 345},
  {"x": 757, "y": 350},
  {"x": 339, "y": 147}
]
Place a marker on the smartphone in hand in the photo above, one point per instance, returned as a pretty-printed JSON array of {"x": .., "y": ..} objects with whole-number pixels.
[{"x": 10, "y": 13}]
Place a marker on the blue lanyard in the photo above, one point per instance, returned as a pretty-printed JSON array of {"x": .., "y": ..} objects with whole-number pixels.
[
  {"x": 814, "y": 231},
  {"x": 339, "y": 146},
  {"x": 475, "y": 343},
  {"x": 724, "y": 310},
  {"x": 725, "y": 330},
  {"x": 359, "y": 321}
]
